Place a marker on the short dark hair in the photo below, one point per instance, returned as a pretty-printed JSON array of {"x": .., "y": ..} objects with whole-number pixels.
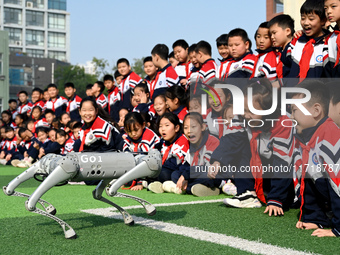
[
  {"x": 21, "y": 130},
  {"x": 161, "y": 50},
  {"x": 89, "y": 86},
  {"x": 47, "y": 111},
  {"x": 204, "y": 47},
  {"x": 239, "y": 32},
  {"x": 222, "y": 40},
  {"x": 319, "y": 93},
  {"x": 171, "y": 54},
  {"x": 262, "y": 25},
  {"x": 38, "y": 90},
  {"x": 123, "y": 60},
  {"x": 101, "y": 85},
  {"x": 8, "y": 129},
  {"x": 60, "y": 132},
  {"x": 334, "y": 89},
  {"x": 78, "y": 124},
  {"x": 181, "y": 43},
  {"x": 108, "y": 77},
  {"x": 69, "y": 85},
  {"x": 23, "y": 92},
  {"x": 192, "y": 48},
  {"x": 143, "y": 85},
  {"x": 117, "y": 74},
  {"x": 314, "y": 6},
  {"x": 12, "y": 101},
  {"x": 284, "y": 21},
  {"x": 52, "y": 85},
  {"x": 41, "y": 129},
  {"x": 147, "y": 59}
]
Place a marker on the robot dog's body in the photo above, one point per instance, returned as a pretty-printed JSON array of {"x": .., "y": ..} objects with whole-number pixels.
[{"x": 114, "y": 169}]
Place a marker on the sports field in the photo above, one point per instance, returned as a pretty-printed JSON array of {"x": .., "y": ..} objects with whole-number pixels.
[{"x": 183, "y": 225}]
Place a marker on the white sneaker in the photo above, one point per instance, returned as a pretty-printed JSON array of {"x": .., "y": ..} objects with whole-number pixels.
[
  {"x": 15, "y": 162},
  {"x": 24, "y": 164},
  {"x": 201, "y": 190},
  {"x": 156, "y": 187},
  {"x": 145, "y": 184},
  {"x": 3, "y": 162},
  {"x": 169, "y": 186},
  {"x": 245, "y": 200},
  {"x": 229, "y": 188}
]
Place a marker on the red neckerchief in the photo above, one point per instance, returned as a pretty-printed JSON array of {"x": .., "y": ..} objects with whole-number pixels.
[
  {"x": 338, "y": 47},
  {"x": 255, "y": 163},
  {"x": 166, "y": 154},
  {"x": 257, "y": 57},
  {"x": 153, "y": 84},
  {"x": 305, "y": 59},
  {"x": 83, "y": 140},
  {"x": 227, "y": 69}
]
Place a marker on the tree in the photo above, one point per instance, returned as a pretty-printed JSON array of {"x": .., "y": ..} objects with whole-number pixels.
[
  {"x": 102, "y": 67},
  {"x": 137, "y": 66},
  {"x": 76, "y": 75}
]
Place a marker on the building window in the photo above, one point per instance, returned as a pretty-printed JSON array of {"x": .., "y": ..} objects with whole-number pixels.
[
  {"x": 1, "y": 65},
  {"x": 17, "y": 76},
  {"x": 35, "y": 37},
  {"x": 57, "y": 55},
  {"x": 17, "y": 2},
  {"x": 278, "y": 5},
  {"x": 12, "y": 16},
  {"x": 11, "y": 49},
  {"x": 56, "y": 21},
  {"x": 36, "y": 3},
  {"x": 34, "y": 18},
  {"x": 15, "y": 35},
  {"x": 35, "y": 53},
  {"x": 57, "y": 4},
  {"x": 56, "y": 40}
]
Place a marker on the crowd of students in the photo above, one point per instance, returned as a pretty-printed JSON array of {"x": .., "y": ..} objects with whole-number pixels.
[{"x": 166, "y": 111}]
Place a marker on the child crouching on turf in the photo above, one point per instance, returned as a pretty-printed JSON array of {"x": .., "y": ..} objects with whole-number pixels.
[
  {"x": 315, "y": 160},
  {"x": 138, "y": 138},
  {"x": 10, "y": 150},
  {"x": 202, "y": 145},
  {"x": 64, "y": 141},
  {"x": 176, "y": 100},
  {"x": 175, "y": 148}
]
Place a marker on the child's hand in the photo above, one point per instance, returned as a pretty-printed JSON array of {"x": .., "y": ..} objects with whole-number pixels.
[
  {"x": 2, "y": 154},
  {"x": 274, "y": 210},
  {"x": 298, "y": 33},
  {"x": 36, "y": 145},
  {"x": 26, "y": 154},
  {"x": 184, "y": 82},
  {"x": 137, "y": 187},
  {"x": 304, "y": 225},
  {"x": 8, "y": 157},
  {"x": 213, "y": 170},
  {"x": 182, "y": 183},
  {"x": 143, "y": 98},
  {"x": 323, "y": 232}
]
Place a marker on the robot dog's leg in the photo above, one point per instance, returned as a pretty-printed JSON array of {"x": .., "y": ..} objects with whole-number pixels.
[
  {"x": 97, "y": 194},
  {"x": 66, "y": 169},
  {"x": 9, "y": 190},
  {"x": 149, "y": 208}
]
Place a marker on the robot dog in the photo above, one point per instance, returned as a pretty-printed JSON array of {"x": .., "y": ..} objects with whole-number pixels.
[{"x": 114, "y": 169}]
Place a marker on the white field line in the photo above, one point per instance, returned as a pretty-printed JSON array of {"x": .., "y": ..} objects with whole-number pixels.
[{"x": 231, "y": 241}]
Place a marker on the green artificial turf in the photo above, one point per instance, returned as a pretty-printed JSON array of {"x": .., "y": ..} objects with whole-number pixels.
[{"x": 23, "y": 232}]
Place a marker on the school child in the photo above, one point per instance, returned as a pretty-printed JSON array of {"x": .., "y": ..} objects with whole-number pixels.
[
  {"x": 24, "y": 104},
  {"x": 45, "y": 144},
  {"x": 39, "y": 120},
  {"x": 118, "y": 77},
  {"x": 196, "y": 66},
  {"x": 64, "y": 119},
  {"x": 122, "y": 113},
  {"x": 88, "y": 90},
  {"x": 241, "y": 63},
  {"x": 151, "y": 71},
  {"x": 166, "y": 75},
  {"x": 172, "y": 60},
  {"x": 160, "y": 105},
  {"x": 214, "y": 115},
  {"x": 142, "y": 96},
  {"x": 315, "y": 160},
  {"x": 331, "y": 52},
  {"x": 281, "y": 29},
  {"x": 202, "y": 145},
  {"x": 29, "y": 148},
  {"x": 29, "y": 125},
  {"x": 49, "y": 116},
  {"x": 75, "y": 128},
  {"x": 271, "y": 146},
  {"x": 46, "y": 96},
  {"x": 129, "y": 81},
  {"x": 180, "y": 48},
  {"x": 52, "y": 134},
  {"x": 6, "y": 117},
  {"x": 73, "y": 102},
  {"x": 104, "y": 136},
  {"x": 64, "y": 141},
  {"x": 222, "y": 47},
  {"x": 175, "y": 149},
  {"x": 98, "y": 89},
  {"x": 13, "y": 105},
  {"x": 176, "y": 101},
  {"x": 3, "y": 137},
  {"x": 20, "y": 120},
  {"x": 334, "y": 103},
  {"x": 10, "y": 150},
  {"x": 113, "y": 97},
  {"x": 207, "y": 73},
  {"x": 266, "y": 59},
  {"x": 37, "y": 96},
  {"x": 56, "y": 103},
  {"x": 303, "y": 56}
]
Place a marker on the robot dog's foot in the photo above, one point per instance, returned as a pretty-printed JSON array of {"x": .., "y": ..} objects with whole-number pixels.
[
  {"x": 49, "y": 208},
  {"x": 68, "y": 230},
  {"x": 149, "y": 208}
]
